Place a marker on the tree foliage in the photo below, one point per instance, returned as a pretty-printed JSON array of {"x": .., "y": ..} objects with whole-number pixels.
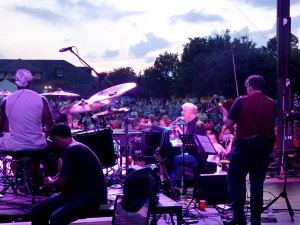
[{"x": 210, "y": 65}]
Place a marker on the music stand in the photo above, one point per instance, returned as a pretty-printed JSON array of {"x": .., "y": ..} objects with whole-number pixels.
[{"x": 197, "y": 144}]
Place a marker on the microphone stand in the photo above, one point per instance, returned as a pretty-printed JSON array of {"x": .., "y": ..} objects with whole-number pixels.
[
  {"x": 127, "y": 147},
  {"x": 283, "y": 194},
  {"x": 184, "y": 188},
  {"x": 86, "y": 64}
]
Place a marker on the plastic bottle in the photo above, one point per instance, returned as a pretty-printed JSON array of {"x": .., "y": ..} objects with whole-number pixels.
[{"x": 270, "y": 209}]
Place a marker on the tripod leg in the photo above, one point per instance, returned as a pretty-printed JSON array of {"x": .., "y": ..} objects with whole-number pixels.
[
  {"x": 291, "y": 212},
  {"x": 183, "y": 184},
  {"x": 187, "y": 208}
]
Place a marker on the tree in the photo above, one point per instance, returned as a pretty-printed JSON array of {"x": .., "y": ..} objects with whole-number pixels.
[
  {"x": 158, "y": 80},
  {"x": 207, "y": 66}
]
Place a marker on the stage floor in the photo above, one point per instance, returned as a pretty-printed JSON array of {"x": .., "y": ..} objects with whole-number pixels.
[{"x": 16, "y": 209}]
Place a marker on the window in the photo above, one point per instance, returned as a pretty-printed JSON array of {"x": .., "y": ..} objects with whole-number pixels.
[
  {"x": 2, "y": 76},
  {"x": 59, "y": 72},
  {"x": 37, "y": 76}
]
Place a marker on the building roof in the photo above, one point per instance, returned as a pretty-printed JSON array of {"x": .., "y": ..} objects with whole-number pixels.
[
  {"x": 74, "y": 79},
  {"x": 6, "y": 85}
]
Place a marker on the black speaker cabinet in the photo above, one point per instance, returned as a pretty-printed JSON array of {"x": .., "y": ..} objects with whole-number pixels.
[
  {"x": 213, "y": 188},
  {"x": 101, "y": 143}
]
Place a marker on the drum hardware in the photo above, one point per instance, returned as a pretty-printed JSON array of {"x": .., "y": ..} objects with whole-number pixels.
[
  {"x": 117, "y": 177},
  {"x": 112, "y": 111},
  {"x": 5, "y": 92},
  {"x": 59, "y": 92},
  {"x": 82, "y": 106}
]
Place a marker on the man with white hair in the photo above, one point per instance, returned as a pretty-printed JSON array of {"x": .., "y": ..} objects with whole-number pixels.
[
  {"x": 22, "y": 114},
  {"x": 193, "y": 126}
]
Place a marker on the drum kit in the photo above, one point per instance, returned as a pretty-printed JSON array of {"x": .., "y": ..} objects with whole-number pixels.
[
  {"x": 95, "y": 102},
  {"x": 59, "y": 92}
]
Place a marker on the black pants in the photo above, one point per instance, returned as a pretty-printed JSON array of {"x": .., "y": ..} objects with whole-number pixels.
[{"x": 249, "y": 156}]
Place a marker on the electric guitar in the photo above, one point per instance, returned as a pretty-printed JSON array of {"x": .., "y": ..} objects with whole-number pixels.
[{"x": 167, "y": 183}]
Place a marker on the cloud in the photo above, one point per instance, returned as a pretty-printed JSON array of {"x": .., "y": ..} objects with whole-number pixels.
[
  {"x": 93, "y": 11},
  {"x": 266, "y": 3},
  {"x": 110, "y": 53},
  {"x": 92, "y": 55},
  {"x": 260, "y": 38},
  {"x": 38, "y": 13},
  {"x": 261, "y": 3},
  {"x": 295, "y": 23},
  {"x": 150, "y": 59},
  {"x": 194, "y": 16},
  {"x": 152, "y": 43}
]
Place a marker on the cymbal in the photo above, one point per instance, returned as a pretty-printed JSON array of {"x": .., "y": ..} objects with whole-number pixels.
[
  {"x": 82, "y": 106},
  {"x": 60, "y": 92},
  {"x": 112, "y": 111},
  {"x": 112, "y": 92},
  {"x": 5, "y": 92}
]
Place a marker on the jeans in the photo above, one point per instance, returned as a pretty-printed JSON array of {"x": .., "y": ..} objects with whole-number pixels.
[
  {"x": 180, "y": 160},
  {"x": 249, "y": 156},
  {"x": 61, "y": 210}
]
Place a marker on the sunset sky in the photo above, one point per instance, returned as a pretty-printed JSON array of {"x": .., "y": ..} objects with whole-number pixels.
[{"x": 110, "y": 34}]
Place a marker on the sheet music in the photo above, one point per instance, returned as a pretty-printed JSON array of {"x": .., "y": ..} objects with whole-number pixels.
[{"x": 204, "y": 142}]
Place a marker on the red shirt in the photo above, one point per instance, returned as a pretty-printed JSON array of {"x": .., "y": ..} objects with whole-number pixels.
[{"x": 255, "y": 115}]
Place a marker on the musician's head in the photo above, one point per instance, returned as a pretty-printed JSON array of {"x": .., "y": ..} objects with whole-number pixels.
[
  {"x": 254, "y": 82},
  {"x": 23, "y": 78},
  {"x": 189, "y": 111},
  {"x": 61, "y": 135}
]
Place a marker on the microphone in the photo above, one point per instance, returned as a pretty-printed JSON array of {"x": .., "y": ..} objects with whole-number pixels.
[
  {"x": 179, "y": 121},
  {"x": 66, "y": 49}
]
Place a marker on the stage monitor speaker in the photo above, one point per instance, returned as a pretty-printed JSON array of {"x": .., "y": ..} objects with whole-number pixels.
[
  {"x": 140, "y": 185},
  {"x": 213, "y": 188}
]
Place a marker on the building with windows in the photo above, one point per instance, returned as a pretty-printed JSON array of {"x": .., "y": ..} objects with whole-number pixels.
[{"x": 49, "y": 75}]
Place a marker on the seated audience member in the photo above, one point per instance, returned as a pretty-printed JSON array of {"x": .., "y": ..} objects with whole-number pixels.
[
  {"x": 112, "y": 122},
  {"x": 57, "y": 115},
  {"x": 81, "y": 179},
  {"x": 208, "y": 124},
  {"x": 212, "y": 135},
  {"x": 152, "y": 120},
  {"x": 162, "y": 123},
  {"x": 127, "y": 123},
  {"x": 296, "y": 138},
  {"x": 87, "y": 122},
  {"x": 226, "y": 138}
]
